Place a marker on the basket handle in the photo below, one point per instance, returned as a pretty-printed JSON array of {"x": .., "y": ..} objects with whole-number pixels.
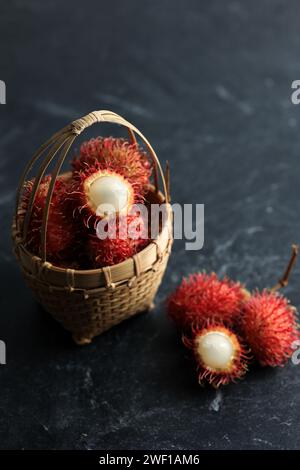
[
  {"x": 63, "y": 141},
  {"x": 108, "y": 116}
]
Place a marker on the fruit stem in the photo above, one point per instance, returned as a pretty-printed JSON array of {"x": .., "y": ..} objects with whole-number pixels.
[{"x": 283, "y": 282}]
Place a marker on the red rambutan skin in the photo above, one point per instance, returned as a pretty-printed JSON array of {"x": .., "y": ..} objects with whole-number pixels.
[
  {"x": 110, "y": 156},
  {"x": 202, "y": 297},
  {"x": 116, "y": 155},
  {"x": 216, "y": 378},
  {"x": 62, "y": 233},
  {"x": 110, "y": 251},
  {"x": 269, "y": 326}
]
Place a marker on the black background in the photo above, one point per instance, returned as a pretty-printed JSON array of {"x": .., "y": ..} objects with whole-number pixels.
[{"x": 209, "y": 83}]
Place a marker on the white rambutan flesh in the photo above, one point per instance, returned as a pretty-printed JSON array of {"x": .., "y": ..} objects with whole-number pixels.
[
  {"x": 108, "y": 194},
  {"x": 220, "y": 355},
  {"x": 215, "y": 349}
]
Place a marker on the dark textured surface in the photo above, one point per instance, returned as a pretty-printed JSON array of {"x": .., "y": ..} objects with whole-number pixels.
[{"x": 209, "y": 84}]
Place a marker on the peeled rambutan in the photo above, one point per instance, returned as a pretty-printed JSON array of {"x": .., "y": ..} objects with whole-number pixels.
[
  {"x": 203, "y": 297},
  {"x": 110, "y": 175},
  {"x": 220, "y": 355},
  {"x": 61, "y": 234},
  {"x": 124, "y": 237},
  {"x": 269, "y": 326}
]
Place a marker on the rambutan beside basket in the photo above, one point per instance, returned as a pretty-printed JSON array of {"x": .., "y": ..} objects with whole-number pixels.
[{"x": 88, "y": 302}]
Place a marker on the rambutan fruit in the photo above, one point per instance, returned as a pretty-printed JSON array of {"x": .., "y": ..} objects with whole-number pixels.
[
  {"x": 219, "y": 353},
  {"x": 120, "y": 239},
  {"x": 61, "y": 235},
  {"x": 203, "y": 297},
  {"x": 110, "y": 175},
  {"x": 269, "y": 326}
]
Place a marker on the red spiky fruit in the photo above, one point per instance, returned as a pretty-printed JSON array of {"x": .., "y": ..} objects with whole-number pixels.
[
  {"x": 269, "y": 326},
  {"x": 124, "y": 237},
  {"x": 61, "y": 237},
  {"x": 110, "y": 175},
  {"x": 219, "y": 354},
  {"x": 203, "y": 297}
]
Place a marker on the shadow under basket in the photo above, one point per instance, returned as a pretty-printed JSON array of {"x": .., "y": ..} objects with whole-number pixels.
[{"x": 89, "y": 302}]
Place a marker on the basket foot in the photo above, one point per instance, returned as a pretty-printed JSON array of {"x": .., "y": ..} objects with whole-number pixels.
[
  {"x": 151, "y": 307},
  {"x": 81, "y": 340}
]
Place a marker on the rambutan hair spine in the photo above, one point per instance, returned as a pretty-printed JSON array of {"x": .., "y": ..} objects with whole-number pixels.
[
  {"x": 220, "y": 354},
  {"x": 202, "y": 297},
  {"x": 110, "y": 176},
  {"x": 269, "y": 322},
  {"x": 124, "y": 238},
  {"x": 270, "y": 327},
  {"x": 62, "y": 232}
]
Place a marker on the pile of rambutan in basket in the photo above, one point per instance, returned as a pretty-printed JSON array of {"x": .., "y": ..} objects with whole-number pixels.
[
  {"x": 109, "y": 178},
  {"x": 226, "y": 327}
]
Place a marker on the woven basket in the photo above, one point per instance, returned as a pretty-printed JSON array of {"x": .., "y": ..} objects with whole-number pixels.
[{"x": 88, "y": 302}]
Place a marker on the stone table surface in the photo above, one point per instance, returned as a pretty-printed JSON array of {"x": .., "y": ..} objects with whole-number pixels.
[{"x": 210, "y": 85}]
